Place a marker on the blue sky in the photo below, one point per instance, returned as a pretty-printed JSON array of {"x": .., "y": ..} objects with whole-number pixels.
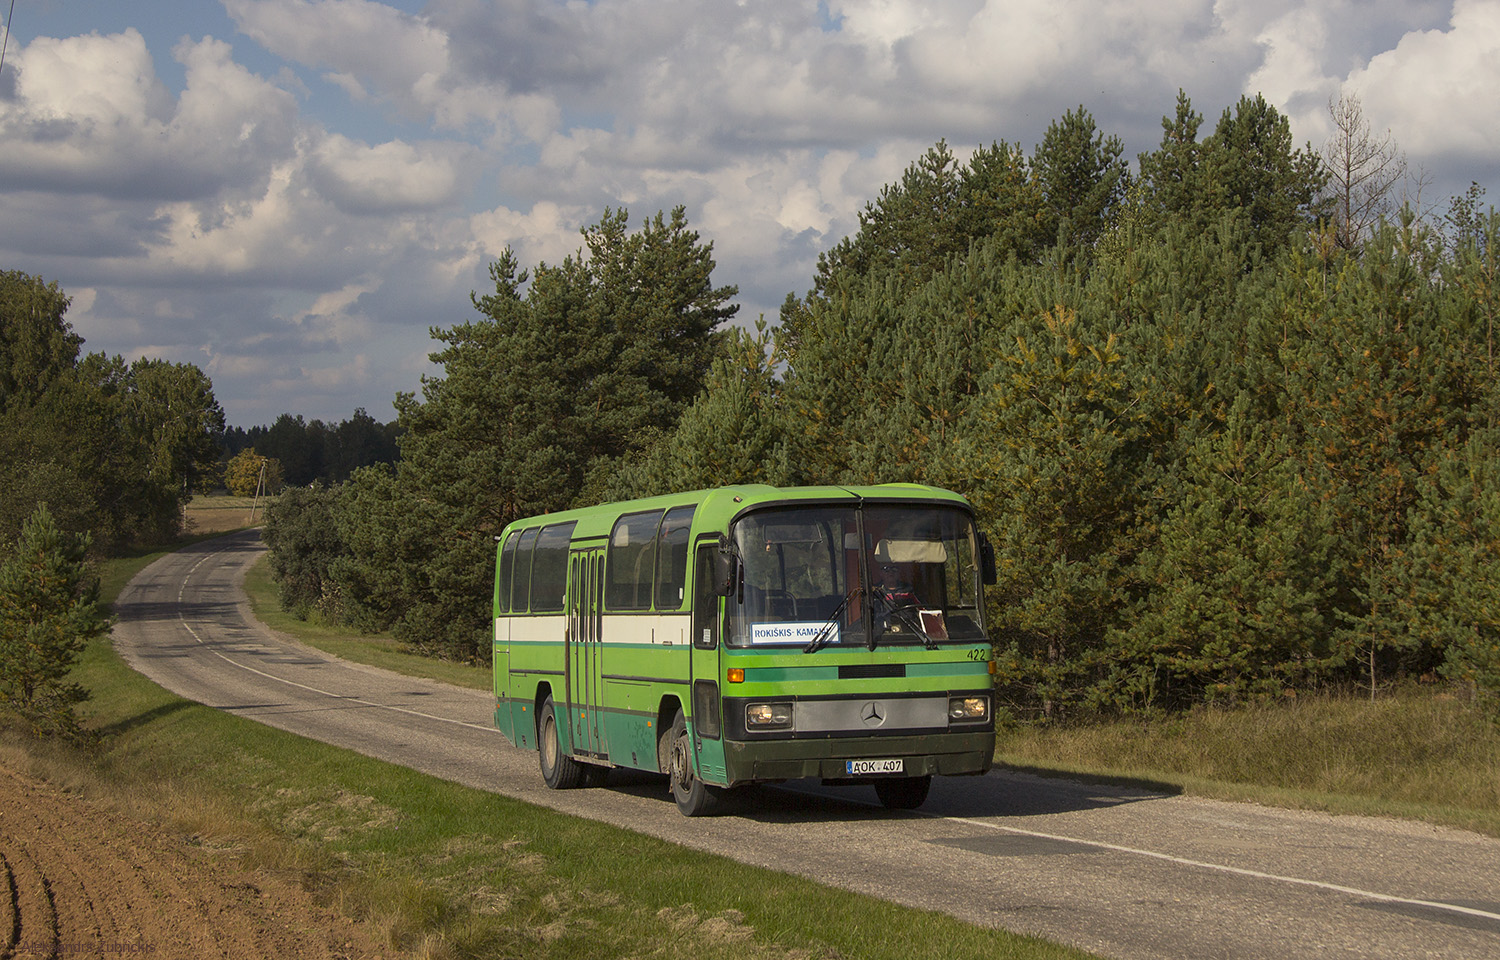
[{"x": 290, "y": 193}]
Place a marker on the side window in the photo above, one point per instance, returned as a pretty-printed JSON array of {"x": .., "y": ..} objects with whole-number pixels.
[
  {"x": 632, "y": 560},
  {"x": 549, "y": 568},
  {"x": 671, "y": 558},
  {"x": 520, "y": 590},
  {"x": 502, "y": 579},
  {"x": 706, "y": 599}
]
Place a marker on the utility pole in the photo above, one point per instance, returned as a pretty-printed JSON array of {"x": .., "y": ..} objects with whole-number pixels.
[{"x": 260, "y": 485}]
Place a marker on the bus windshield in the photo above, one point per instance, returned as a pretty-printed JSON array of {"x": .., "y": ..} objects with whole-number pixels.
[{"x": 843, "y": 575}]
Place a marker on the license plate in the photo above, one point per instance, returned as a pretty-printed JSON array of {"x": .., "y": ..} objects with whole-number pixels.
[{"x": 860, "y": 767}]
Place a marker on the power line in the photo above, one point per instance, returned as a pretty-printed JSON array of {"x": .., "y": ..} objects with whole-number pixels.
[{"x": 5, "y": 41}]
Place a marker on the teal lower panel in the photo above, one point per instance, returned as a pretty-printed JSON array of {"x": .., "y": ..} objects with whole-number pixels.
[
  {"x": 711, "y": 768},
  {"x": 504, "y": 721},
  {"x": 523, "y": 724},
  {"x": 632, "y": 740},
  {"x": 954, "y": 754}
]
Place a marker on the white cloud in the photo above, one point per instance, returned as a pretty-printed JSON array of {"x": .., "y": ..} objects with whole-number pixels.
[
  {"x": 91, "y": 115},
  {"x": 1436, "y": 88},
  {"x": 389, "y": 177},
  {"x": 546, "y": 232},
  {"x": 372, "y": 51}
]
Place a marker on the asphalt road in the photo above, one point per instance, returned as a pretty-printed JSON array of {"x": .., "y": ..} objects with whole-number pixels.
[{"x": 1124, "y": 873}]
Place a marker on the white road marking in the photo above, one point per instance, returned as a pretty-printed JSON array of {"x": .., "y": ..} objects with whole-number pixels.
[
  {"x": 311, "y": 689},
  {"x": 1222, "y": 868}
]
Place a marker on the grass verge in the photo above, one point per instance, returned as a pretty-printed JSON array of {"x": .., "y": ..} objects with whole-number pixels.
[
  {"x": 447, "y": 871},
  {"x": 379, "y": 651},
  {"x": 1415, "y": 753}
]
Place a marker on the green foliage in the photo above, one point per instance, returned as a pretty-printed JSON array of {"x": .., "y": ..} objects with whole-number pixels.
[
  {"x": 1053, "y": 450},
  {"x": 302, "y": 537},
  {"x": 1247, "y": 169},
  {"x": 1082, "y": 178},
  {"x": 1452, "y": 594},
  {"x": 733, "y": 433},
  {"x": 1250, "y": 166},
  {"x": 116, "y": 448},
  {"x": 1230, "y": 588},
  {"x": 571, "y": 370},
  {"x": 49, "y": 611},
  {"x": 37, "y": 346}
]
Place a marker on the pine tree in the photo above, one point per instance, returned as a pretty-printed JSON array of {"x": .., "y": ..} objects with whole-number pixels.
[
  {"x": 1250, "y": 166},
  {"x": 1082, "y": 180},
  {"x": 1053, "y": 455},
  {"x": 1232, "y": 585},
  {"x": 49, "y": 611},
  {"x": 570, "y": 369},
  {"x": 733, "y": 433},
  {"x": 1452, "y": 592},
  {"x": 1172, "y": 179}
]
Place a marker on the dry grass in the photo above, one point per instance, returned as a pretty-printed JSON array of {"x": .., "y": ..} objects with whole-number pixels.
[
  {"x": 221, "y": 514},
  {"x": 1418, "y": 752}
]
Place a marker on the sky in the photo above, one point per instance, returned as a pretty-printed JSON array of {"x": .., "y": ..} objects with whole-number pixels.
[{"x": 291, "y": 194}]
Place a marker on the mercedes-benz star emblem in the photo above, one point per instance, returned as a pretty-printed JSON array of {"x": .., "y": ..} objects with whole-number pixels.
[{"x": 871, "y": 714}]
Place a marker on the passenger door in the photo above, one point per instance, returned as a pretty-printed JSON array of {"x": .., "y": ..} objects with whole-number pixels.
[{"x": 584, "y": 656}]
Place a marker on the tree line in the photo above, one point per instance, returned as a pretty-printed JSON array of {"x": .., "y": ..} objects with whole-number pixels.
[
  {"x": 305, "y": 452},
  {"x": 1228, "y": 415}
]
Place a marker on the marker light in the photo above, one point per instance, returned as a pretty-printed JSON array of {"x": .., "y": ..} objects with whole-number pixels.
[{"x": 736, "y": 675}]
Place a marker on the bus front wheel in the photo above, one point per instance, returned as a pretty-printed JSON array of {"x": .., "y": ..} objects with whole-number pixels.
[
  {"x": 559, "y": 771},
  {"x": 694, "y": 797}
]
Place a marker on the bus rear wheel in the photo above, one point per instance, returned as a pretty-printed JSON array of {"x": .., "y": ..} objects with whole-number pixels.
[
  {"x": 903, "y": 793},
  {"x": 694, "y": 797},
  {"x": 559, "y": 771}
]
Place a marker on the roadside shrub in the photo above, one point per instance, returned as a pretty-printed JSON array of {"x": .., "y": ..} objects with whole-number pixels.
[{"x": 304, "y": 542}]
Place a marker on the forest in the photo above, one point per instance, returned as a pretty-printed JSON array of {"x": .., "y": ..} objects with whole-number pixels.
[{"x": 1228, "y": 414}]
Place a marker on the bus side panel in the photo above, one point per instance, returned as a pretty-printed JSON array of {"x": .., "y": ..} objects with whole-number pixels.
[
  {"x": 645, "y": 664},
  {"x": 500, "y": 658},
  {"x": 632, "y": 731},
  {"x": 536, "y": 662}
]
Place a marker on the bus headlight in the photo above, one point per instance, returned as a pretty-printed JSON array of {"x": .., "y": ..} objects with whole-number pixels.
[
  {"x": 768, "y": 716},
  {"x": 968, "y": 709}
]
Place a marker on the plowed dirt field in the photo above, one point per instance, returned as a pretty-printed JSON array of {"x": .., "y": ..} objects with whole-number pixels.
[{"x": 77, "y": 880}]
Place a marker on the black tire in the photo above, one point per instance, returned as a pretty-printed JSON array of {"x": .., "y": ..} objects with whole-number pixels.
[
  {"x": 559, "y": 771},
  {"x": 903, "y": 793},
  {"x": 694, "y": 797}
]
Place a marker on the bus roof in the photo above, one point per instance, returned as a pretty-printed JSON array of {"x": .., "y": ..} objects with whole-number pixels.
[{"x": 719, "y": 506}]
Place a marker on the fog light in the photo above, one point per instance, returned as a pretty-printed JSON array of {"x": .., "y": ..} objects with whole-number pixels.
[
  {"x": 968, "y": 709},
  {"x": 768, "y": 716}
]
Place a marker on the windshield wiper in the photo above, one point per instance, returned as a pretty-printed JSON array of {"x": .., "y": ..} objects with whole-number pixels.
[
  {"x": 826, "y": 634},
  {"x": 902, "y": 613}
]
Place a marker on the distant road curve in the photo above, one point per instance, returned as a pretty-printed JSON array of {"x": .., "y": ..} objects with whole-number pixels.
[{"x": 1124, "y": 873}]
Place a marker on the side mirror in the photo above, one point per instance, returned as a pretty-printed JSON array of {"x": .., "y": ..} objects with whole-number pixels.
[
  {"x": 988, "y": 574},
  {"x": 725, "y": 568}
]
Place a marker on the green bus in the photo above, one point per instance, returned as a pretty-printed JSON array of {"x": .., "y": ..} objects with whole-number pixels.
[{"x": 749, "y": 634}]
